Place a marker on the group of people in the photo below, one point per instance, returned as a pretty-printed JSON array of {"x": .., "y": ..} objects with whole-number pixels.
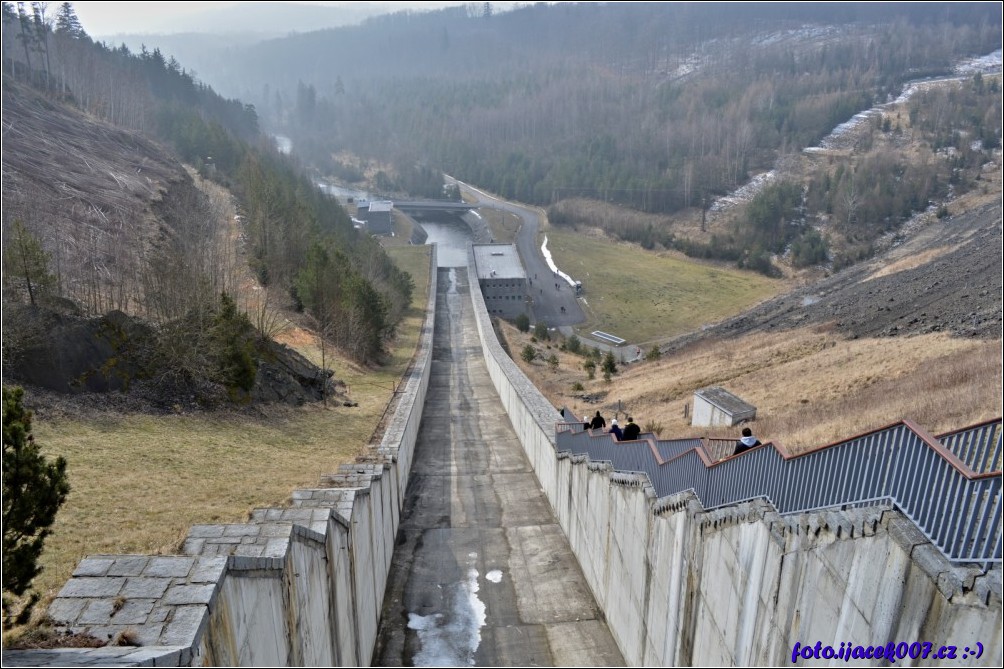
[{"x": 629, "y": 432}]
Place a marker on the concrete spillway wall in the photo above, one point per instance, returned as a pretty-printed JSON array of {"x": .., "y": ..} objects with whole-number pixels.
[
  {"x": 301, "y": 585},
  {"x": 742, "y": 585}
]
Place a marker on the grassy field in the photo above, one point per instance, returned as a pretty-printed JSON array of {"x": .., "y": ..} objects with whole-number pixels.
[
  {"x": 643, "y": 296},
  {"x": 139, "y": 481}
]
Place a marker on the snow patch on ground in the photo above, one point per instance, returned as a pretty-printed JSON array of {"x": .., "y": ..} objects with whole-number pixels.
[
  {"x": 451, "y": 638},
  {"x": 744, "y": 193},
  {"x": 554, "y": 268}
]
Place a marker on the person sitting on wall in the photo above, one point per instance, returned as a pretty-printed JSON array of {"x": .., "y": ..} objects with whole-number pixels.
[
  {"x": 615, "y": 430},
  {"x": 599, "y": 422},
  {"x": 746, "y": 442},
  {"x": 631, "y": 431}
]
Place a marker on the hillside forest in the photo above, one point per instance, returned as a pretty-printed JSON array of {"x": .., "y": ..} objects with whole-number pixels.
[
  {"x": 658, "y": 108},
  {"x": 129, "y": 186}
]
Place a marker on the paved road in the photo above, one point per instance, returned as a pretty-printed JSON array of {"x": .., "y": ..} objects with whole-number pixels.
[
  {"x": 482, "y": 574},
  {"x": 549, "y": 293}
]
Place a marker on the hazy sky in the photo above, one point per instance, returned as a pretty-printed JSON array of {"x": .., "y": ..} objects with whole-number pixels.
[{"x": 110, "y": 18}]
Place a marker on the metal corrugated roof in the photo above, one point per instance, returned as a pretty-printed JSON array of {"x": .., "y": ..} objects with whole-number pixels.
[{"x": 503, "y": 259}]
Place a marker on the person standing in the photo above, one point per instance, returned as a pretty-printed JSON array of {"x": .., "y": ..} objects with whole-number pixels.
[
  {"x": 615, "y": 430},
  {"x": 746, "y": 442},
  {"x": 598, "y": 422},
  {"x": 631, "y": 430}
]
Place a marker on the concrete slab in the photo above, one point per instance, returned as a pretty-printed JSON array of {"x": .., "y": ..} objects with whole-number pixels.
[
  {"x": 552, "y": 588},
  {"x": 582, "y": 644}
]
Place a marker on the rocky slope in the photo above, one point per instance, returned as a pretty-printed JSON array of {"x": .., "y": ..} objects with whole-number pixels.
[{"x": 944, "y": 277}]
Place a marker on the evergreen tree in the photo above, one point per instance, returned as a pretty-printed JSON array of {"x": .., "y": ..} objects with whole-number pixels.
[
  {"x": 609, "y": 365},
  {"x": 26, "y": 264},
  {"x": 528, "y": 354},
  {"x": 232, "y": 333},
  {"x": 67, "y": 22},
  {"x": 33, "y": 491}
]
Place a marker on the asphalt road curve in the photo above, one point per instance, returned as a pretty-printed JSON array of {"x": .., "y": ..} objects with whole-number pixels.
[
  {"x": 554, "y": 301},
  {"x": 482, "y": 575}
]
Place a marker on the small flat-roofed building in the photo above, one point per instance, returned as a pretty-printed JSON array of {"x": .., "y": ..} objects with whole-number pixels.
[
  {"x": 502, "y": 279},
  {"x": 717, "y": 406},
  {"x": 377, "y": 214}
]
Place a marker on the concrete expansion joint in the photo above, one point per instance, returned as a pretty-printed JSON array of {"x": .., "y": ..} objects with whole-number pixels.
[
  {"x": 360, "y": 484},
  {"x": 987, "y": 587},
  {"x": 627, "y": 479},
  {"x": 377, "y": 459},
  {"x": 304, "y": 533},
  {"x": 388, "y": 453},
  {"x": 363, "y": 470},
  {"x": 683, "y": 501}
]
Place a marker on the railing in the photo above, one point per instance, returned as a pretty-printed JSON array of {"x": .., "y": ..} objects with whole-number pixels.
[
  {"x": 935, "y": 484},
  {"x": 979, "y": 446}
]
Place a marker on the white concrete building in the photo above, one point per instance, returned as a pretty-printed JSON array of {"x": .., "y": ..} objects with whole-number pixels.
[
  {"x": 502, "y": 279},
  {"x": 717, "y": 406}
]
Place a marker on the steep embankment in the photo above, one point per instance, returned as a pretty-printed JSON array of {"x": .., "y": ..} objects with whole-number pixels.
[
  {"x": 88, "y": 185},
  {"x": 946, "y": 277},
  {"x": 128, "y": 233}
]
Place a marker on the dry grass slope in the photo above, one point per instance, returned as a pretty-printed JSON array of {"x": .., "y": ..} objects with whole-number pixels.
[{"x": 810, "y": 387}]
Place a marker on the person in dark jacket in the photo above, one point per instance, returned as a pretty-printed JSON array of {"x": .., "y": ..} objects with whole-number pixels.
[
  {"x": 615, "y": 430},
  {"x": 599, "y": 422},
  {"x": 746, "y": 442},
  {"x": 631, "y": 431}
]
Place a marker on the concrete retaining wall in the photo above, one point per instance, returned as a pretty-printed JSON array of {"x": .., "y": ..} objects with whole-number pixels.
[
  {"x": 742, "y": 585},
  {"x": 296, "y": 586}
]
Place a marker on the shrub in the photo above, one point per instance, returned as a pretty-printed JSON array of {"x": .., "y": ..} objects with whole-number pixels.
[
  {"x": 33, "y": 491},
  {"x": 540, "y": 331}
]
